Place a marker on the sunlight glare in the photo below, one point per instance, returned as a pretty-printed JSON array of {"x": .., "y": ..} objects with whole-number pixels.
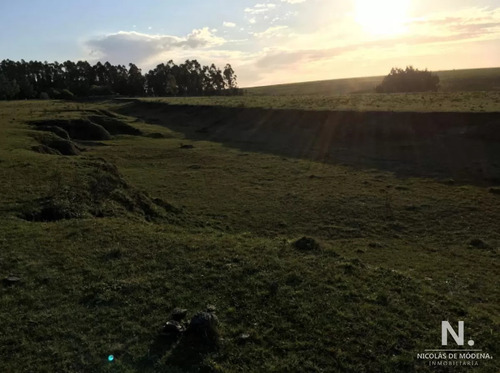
[{"x": 382, "y": 17}]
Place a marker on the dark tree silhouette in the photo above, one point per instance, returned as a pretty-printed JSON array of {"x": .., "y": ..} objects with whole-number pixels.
[
  {"x": 135, "y": 81},
  {"x": 8, "y": 89},
  {"x": 229, "y": 76},
  {"x": 26, "y": 80},
  {"x": 408, "y": 80}
]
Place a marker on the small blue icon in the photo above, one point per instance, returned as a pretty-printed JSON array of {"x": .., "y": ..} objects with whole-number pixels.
[{"x": 111, "y": 358}]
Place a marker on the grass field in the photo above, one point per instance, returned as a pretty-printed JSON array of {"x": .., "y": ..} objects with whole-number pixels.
[
  {"x": 450, "y": 81},
  {"x": 106, "y": 243},
  {"x": 412, "y": 102}
]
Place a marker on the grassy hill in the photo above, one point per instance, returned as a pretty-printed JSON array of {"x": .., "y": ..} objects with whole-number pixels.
[
  {"x": 167, "y": 206},
  {"x": 450, "y": 81}
]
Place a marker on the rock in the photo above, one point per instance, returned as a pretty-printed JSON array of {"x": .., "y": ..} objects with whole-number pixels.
[
  {"x": 173, "y": 329},
  {"x": 11, "y": 280},
  {"x": 202, "y": 331},
  {"x": 204, "y": 321},
  {"x": 306, "y": 244},
  {"x": 178, "y": 314}
]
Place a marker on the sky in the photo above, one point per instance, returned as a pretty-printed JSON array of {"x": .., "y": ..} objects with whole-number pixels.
[{"x": 265, "y": 41}]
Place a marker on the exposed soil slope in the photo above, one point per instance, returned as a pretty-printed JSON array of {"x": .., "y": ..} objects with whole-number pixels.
[{"x": 459, "y": 146}]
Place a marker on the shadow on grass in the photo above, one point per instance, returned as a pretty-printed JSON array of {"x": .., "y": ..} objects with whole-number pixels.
[
  {"x": 444, "y": 145},
  {"x": 186, "y": 353}
]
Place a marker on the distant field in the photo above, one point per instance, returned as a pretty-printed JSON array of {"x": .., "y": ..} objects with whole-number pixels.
[
  {"x": 450, "y": 80},
  {"x": 414, "y": 102}
]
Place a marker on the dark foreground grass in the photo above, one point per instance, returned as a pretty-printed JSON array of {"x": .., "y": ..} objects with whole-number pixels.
[
  {"x": 397, "y": 256},
  {"x": 91, "y": 289}
]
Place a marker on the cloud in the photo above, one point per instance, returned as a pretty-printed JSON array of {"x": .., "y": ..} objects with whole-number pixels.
[
  {"x": 147, "y": 51},
  {"x": 276, "y": 59},
  {"x": 202, "y": 38},
  {"x": 424, "y": 35},
  {"x": 293, "y": 1},
  {"x": 280, "y": 51},
  {"x": 272, "y": 32},
  {"x": 127, "y": 46},
  {"x": 260, "y": 8},
  {"x": 463, "y": 24}
]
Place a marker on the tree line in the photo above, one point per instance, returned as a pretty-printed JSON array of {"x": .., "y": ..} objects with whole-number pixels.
[{"x": 34, "y": 79}]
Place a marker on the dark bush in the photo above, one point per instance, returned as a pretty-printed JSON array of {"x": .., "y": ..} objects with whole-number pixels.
[
  {"x": 100, "y": 90},
  {"x": 408, "y": 80},
  {"x": 54, "y": 93}
]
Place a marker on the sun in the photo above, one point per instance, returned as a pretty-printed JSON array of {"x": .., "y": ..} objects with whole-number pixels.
[{"x": 382, "y": 17}]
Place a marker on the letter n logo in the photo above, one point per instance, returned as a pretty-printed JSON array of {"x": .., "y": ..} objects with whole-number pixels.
[{"x": 446, "y": 328}]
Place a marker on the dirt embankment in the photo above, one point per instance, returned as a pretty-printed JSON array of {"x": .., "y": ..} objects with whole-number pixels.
[{"x": 460, "y": 146}]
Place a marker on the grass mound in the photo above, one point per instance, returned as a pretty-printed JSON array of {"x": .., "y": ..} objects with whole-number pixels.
[
  {"x": 99, "y": 192},
  {"x": 306, "y": 244},
  {"x": 114, "y": 126},
  {"x": 78, "y": 129},
  {"x": 62, "y": 133},
  {"x": 53, "y": 144},
  {"x": 44, "y": 149}
]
